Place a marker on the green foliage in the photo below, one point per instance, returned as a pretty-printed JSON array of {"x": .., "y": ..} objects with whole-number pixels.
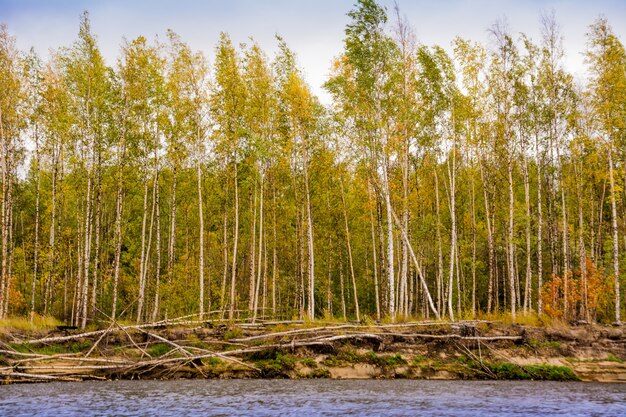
[
  {"x": 273, "y": 363},
  {"x": 233, "y": 333},
  {"x": 419, "y": 359},
  {"x": 510, "y": 371},
  {"x": 411, "y": 132},
  {"x": 536, "y": 372},
  {"x": 74, "y": 347},
  {"x": 308, "y": 362},
  {"x": 348, "y": 356},
  {"x": 545, "y": 344},
  {"x": 159, "y": 349},
  {"x": 384, "y": 361},
  {"x": 319, "y": 373},
  {"x": 612, "y": 358},
  {"x": 212, "y": 361}
]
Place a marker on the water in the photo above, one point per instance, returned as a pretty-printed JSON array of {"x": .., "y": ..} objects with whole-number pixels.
[{"x": 313, "y": 398}]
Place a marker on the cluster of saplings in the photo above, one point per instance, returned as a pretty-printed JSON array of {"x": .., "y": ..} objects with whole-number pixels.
[{"x": 439, "y": 183}]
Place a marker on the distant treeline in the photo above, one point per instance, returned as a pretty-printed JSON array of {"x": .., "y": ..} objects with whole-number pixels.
[{"x": 434, "y": 185}]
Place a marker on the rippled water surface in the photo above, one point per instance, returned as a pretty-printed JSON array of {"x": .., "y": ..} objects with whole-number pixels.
[{"x": 313, "y": 398}]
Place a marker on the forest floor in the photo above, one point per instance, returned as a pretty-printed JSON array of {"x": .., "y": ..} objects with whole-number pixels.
[{"x": 298, "y": 349}]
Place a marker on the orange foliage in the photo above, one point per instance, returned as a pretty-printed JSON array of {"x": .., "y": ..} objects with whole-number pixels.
[
  {"x": 16, "y": 298},
  {"x": 599, "y": 292}
]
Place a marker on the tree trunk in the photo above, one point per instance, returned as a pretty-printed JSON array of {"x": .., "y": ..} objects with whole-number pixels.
[
  {"x": 539, "y": 230},
  {"x": 118, "y": 243},
  {"x": 96, "y": 257},
  {"x": 417, "y": 266},
  {"x": 4, "y": 220},
  {"x": 345, "y": 217},
  {"x": 528, "y": 278},
  {"x": 235, "y": 242},
  {"x": 581, "y": 243},
  {"x": 157, "y": 272},
  {"x": 201, "y": 244},
  {"x": 566, "y": 268},
  {"x": 374, "y": 256},
  {"x": 404, "y": 294},
  {"x": 490, "y": 245},
  {"x": 341, "y": 286},
  {"x": 615, "y": 235},
  {"x": 310, "y": 251},
  {"x": 260, "y": 251},
  {"x": 274, "y": 252},
  {"x": 511, "y": 247},
  {"x": 225, "y": 264},
  {"x": 390, "y": 255},
  {"x": 440, "y": 296},
  {"x": 252, "y": 277},
  {"x": 452, "y": 176},
  {"x": 36, "y": 249},
  {"x": 86, "y": 253},
  {"x": 172, "y": 240},
  {"x": 473, "y": 247},
  {"x": 5, "y": 307},
  {"x": 118, "y": 227},
  {"x": 143, "y": 251}
]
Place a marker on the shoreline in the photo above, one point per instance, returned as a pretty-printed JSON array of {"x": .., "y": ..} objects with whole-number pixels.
[{"x": 465, "y": 350}]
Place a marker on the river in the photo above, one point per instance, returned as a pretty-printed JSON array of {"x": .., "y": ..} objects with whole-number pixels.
[{"x": 313, "y": 398}]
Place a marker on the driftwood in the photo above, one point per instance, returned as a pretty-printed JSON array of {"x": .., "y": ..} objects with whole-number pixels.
[
  {"x": 452, "y": 336},
  {"x": 340, "y": 327},
  {"x": 20, "y": 366},
  {"x": 294, "y": 332},
  {"x": 39, "y": 377}
]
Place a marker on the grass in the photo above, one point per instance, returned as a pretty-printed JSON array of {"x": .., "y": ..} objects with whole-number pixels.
[
  {"x": 52, "y": 350},
  {"x": 308, "y": 362},
  {"x": 612, "y": 358},
  {"x": 159, "y": 349},
  {"x": 384, "y": 361},
  {"x": 510, "y": 371},
  {"x": 319, "y": 373},
  {"x": 528, "y": 319},
  {"x": 349, "y": 356},
  {"x": 233, "y": 333},
  {"x": 212, "y": 361},
  {"x": 273, "y": 363},
  {"x": 419, "y": 359},
  {"x": 24, "y": 323},
  {"x": 546, "y": 344}
]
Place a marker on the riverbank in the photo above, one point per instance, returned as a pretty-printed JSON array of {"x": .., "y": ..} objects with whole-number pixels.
[{"x": 296, "y": 349}]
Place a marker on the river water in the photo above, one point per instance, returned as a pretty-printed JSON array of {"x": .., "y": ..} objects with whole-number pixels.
[{"x": 313, "y": 398}]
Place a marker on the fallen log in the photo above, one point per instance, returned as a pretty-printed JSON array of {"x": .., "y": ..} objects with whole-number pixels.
[
  {"x": 40, "y": 377},
  {"x": 294, "y": 332},
  {"x": 451, "y": 336}
]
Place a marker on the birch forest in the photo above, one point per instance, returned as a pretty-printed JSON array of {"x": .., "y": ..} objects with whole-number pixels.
[{"x": 442, "y": 182}]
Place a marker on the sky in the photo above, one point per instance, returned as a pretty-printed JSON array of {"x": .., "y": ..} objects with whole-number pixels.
[{"x": 314, "y": 29}]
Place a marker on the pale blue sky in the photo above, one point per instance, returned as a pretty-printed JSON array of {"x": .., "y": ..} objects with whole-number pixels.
[{"x": 313, "y": 28}]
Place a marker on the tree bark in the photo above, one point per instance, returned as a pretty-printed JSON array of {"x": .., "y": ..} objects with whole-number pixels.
[
  {"x": 310, "y": 250},
  {"x": 201, "y": 244},
  {"x": 615, "y": 235},
  {"x": 374, "y": 256},
  {"x": 36, "y": 249},
  {"x": 345, "y": 217},
  {"x": 231, "y": 312}
]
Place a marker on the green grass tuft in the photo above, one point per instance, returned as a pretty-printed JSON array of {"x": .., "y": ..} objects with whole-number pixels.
[{"x": 159, "y": 349}]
